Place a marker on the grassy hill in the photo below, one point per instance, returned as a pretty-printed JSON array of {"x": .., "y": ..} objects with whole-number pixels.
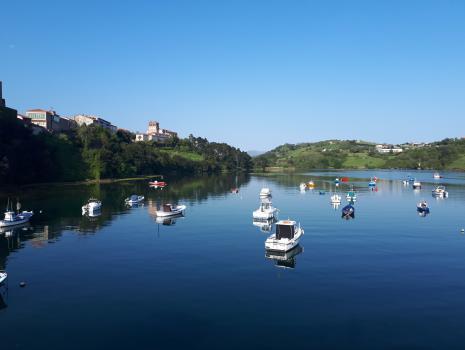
[{"x": 351, "y": 154}]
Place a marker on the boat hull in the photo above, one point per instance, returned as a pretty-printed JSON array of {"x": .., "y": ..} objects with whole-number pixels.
[
  {"x": 176, "y": 211},
  {"x": 3, "y": 277},
  {"x": 283, "y": 245},
  {"x": 4, "y": 223}
]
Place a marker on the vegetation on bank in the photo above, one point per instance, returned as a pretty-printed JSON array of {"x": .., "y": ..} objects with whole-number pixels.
[
  {"x": 91, "y": 152},
  {"x": 446, "y": 154}
]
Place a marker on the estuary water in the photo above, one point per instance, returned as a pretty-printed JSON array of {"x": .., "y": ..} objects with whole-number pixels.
[{"x": 387, "y": 279}]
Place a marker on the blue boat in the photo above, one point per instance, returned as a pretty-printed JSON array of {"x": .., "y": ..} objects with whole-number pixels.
[
  {"x": 348, "y": 212},
  {"x": 423, "y": 208}
]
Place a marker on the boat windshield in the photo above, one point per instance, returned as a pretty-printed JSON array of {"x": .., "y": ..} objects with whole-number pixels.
[
  {"x": 284, "y": 231},
  {"x": 133, "y": 197}
]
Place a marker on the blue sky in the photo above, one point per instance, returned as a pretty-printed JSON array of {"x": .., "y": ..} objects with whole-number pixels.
[{"x": 254, "y": 74}]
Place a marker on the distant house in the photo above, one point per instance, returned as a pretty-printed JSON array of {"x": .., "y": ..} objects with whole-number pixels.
[
  {"x": 49, "y": 120},
  {"x": 388, "y": 149},
  {"x": 155, "y": 133},
  {"x": 83, "y": 119},
  {"x": 36, "y": 129}
]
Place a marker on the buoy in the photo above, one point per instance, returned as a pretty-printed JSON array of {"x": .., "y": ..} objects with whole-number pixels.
[{"x": 22, "y": 284}]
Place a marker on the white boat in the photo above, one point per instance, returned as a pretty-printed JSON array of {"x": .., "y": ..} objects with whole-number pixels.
[
  {"x": 134, "y": 199},
  {"x": 303, "y": 186},
  {"x": 92, "y": 206},
  {"x": 440, "y": 191},
  {"x": 416, "y": 184},
  {"x": 336, "y": 199},
  {"x": 3, "y": 276},
  {"x": 13, "y": 218},
  {"x": 287, "y": 236},
  {"x": 266, "y": 210},
  {"x": 265, "y": 192},
  {"x": 437, "y": 176},
  {"x": 171, "y": 210}
]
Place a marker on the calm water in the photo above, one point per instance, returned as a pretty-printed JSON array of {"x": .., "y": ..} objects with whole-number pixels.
[{"x": 387, "y": 279}]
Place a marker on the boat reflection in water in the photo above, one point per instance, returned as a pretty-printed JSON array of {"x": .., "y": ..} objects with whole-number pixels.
[
  {"x": 168, "y": 221},
  {"x": 3, "y": 293},
  {"x": 264, "y": 225},
  {"x": 287, "y": 259}
]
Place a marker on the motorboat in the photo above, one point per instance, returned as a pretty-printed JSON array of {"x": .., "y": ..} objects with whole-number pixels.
[
  {"x": 134, "y": 199},
  {"x": 265, "y": 192},
  {"x": 303, "y": 186},
  {"x": 336, "y": 181},
  {"x": 372, "y": 182},
  {"x": 284, "y": 259},
  {"x": 3, "y": 276},
  {"x": 336, "y": 199},
  {"x": 13, "y": 218},
  {"x": 311, "y": 184},
  {"x": 266, "y": 210},
  {"x": 286, "y": 237},
  {"x": 348, "y": 212},
  {"x": 157, "y": 184},
  {"x": 351, "y": 196},
  {"x": 440, "y": 191},
  {"x": 93, "y": 205},
  {"x": 416, "y": 185},
  {"x": 437, "y": 176},
  {"x": 422, "y": 207},
  {"x": 171, "y": 210}
]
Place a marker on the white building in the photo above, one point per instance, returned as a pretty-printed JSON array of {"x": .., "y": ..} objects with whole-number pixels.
[
  {"x": 83, "y": 119},
  {"x": 388, "y": 149},
  {"x": 155, "y": 133}
]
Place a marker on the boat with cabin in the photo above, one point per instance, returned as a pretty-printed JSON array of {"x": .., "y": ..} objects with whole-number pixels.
[
  {"x": 351, "y": 195},
  {"x": 416, "y": 184},
  {"x": 170, "y": 210},
  {"x": 422, "y": 207},
  {"x": 265, "y": 192},
  {"x": 302, "y": 187},
  {"x": 93, "y": 205},
  {"x": 13, "y": 218},
  {"x": 266, "y": 211},
  {"x": 372, "y": 182},
  {"x": 134, "y": 199},
  {"x": 440, "y": 191},
  {"x": 437, "y": 176},
  {"x": 286, "y": 236}
]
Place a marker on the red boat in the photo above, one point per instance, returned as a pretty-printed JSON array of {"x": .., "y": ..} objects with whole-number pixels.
[
  {"x": 157, "y": 183},
  {"x": 345, "y": 179}
]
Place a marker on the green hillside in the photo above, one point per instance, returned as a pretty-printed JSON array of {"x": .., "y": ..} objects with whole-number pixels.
[{"x": 351, "y": 154}]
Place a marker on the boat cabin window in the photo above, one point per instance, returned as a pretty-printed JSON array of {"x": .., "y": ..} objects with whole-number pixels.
[
  {"x": 284, "y": 231},
  {"x": 166, "y": 207}
]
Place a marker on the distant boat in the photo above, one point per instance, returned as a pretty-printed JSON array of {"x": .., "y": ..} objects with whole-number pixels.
[
  {"x": 93, "y": 205},
  {"x": 423, "y": 208},
  {"x": 3, "y": 276},
  {"x": 440, "y": 191},
  {"x": 437, "y": 176},
  {"x": 303, "y": 186},
  {"x": 348, "y": 212},
  {"x": 134, "y": 199},
  {"x": 287, "y": 236},
  {"x": 12, "y": 219},
  {"x": 157, "y": 184},
  {"x": 416, "y": 185},
  {"x": 322, "y": 192},
  {"x": 171, "y": 210},
  {"x": 372, "y": 182},
  {"x": 351, "y": 195},
  {"x": 345, "y": 179},
  {"x": 311, "y": 184}
]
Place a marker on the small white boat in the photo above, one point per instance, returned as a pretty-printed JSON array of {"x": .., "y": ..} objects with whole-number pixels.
[
  {"x": 416, "y": 185},
  {"x": 134, "y": 199},
  {"x": 171, "y": 210},
  {"x": 437, "y": 176},
  {"x": 336, "y": 199},
  {"x": 287, "y": 236},
  {"x": 303, "y": 186},
  {"x": 3, "y": 276},
  {"x": 440, "y": 191},
  {"x": 265, "y": 192},
  {"x": 12, "y": 219},
  {"x": 266, "y": 211},
  {"x": 92, "y": 206}
]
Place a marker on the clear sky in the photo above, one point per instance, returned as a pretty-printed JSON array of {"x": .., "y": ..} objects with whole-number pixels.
[{"x": 254, "y": 74}]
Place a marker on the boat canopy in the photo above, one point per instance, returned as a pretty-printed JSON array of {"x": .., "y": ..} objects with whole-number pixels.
[{"x": 285, "y": 231}]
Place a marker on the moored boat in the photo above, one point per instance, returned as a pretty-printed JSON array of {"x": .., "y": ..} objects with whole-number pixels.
[
  {"x": 134, "y": 199},
  {"x": 286, "y": 237},
  {"x": 416, "y": 185},
  {"x": 170, "y": 210},
  {"x": 265, "y": 192},
  {"x": 303, "y": 186},
  {"x": 372, "y": 182},
  {"x": 440, "y": 191},
  {"x": 437, "y": 176},
  {"x": 311, "y": 184},
  {"x": 93, "y": 205},
  {"x": 422, "y": 207},
  {"x": 157, "y": 184},
  {"x": 12, "y": 218},
  {"x": 266, "y": 211}
]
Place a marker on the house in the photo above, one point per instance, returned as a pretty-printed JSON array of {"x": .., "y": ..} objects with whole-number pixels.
[
  {"x": 155, "y": 133},
  {"x": 388, "y": 149},
  {"x": 83, "y": 119},
  {"x": 49, "y": 120}
]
